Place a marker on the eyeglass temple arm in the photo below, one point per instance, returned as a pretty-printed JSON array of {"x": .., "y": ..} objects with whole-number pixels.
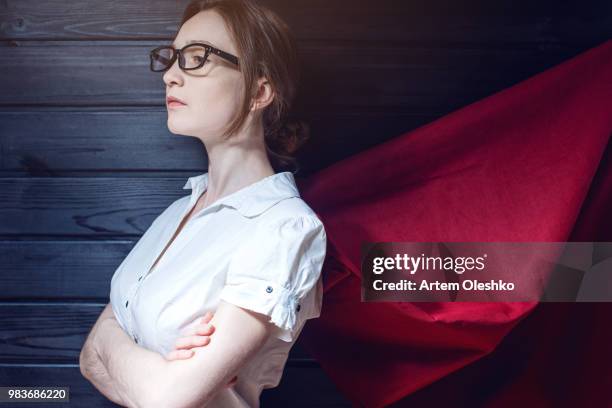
[{"x": 223, "y": 54}]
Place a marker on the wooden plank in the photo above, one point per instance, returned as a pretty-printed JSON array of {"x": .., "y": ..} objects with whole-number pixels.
[
  {"x": 300, "y": 387},
  {"x": 338, "y": 77},
  {"x": 86, "y": 206},
  {"x": 46, "y": 140},
  {"x": 56, "y": 141},
  {"x": 442, "y": 21},
  {"x": 68, "y": 271},
  {"x": 54, "y": 333}
]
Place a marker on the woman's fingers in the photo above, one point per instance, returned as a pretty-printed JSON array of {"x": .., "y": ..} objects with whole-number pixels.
[
  {"x": 179, "y": 354},
  {"x": 196, "y": 336},
  {"x": 191, "y": 341},
  {"x": 207, "y": 317},
  {"x": 201, "y": 320},
  {"x": 205, "y": 329}
]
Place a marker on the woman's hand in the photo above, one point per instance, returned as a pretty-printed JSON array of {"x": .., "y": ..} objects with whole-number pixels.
[{"x": 197, "y": 335}]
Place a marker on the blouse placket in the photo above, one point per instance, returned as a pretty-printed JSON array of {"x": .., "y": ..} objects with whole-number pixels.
[{"x": 136, "y": 286}]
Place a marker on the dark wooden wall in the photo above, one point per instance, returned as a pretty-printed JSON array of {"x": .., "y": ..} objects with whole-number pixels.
[{"x": 87, "y": 161}]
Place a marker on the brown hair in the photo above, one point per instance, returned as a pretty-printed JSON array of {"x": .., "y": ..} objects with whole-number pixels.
[{"x": 265, "y": 48}]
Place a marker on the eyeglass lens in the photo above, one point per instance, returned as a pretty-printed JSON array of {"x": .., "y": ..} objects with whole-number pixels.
[{"x": 193, "y": 56}]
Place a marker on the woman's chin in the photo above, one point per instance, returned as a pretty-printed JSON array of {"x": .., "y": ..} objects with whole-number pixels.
[{"x": 177, "y": 128}]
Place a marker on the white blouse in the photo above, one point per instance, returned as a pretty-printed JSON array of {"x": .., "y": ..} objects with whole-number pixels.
[{"x": 261, "y": 248}]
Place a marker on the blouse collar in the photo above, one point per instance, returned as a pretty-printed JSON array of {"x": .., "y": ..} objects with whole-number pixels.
[{"x": 253, "y": 199}]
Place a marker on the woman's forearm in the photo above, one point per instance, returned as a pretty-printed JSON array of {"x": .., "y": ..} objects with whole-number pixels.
[
  {"x": 135, "y": 372},
  {"x": 94, "y": 370},
  {"x": 92, "y": 367}
]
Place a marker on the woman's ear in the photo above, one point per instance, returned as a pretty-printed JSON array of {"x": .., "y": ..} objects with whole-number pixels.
[{"x": 264, "y": 95}]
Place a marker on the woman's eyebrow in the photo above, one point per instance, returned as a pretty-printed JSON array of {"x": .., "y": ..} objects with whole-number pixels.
[{"x": 195, "y": 41}]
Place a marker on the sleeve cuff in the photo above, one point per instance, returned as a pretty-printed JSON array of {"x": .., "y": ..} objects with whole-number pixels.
[{"x": 266, "y": 297}]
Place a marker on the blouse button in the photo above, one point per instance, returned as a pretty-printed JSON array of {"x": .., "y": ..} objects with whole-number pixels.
[
  {"x": 126, "y": 303},
  {"x": 269, "y": 289},
  {"x": 298, "y": 307}
]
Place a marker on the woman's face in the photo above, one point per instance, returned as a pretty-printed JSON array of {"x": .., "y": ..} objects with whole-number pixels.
[{"x": 212, "y": 93}]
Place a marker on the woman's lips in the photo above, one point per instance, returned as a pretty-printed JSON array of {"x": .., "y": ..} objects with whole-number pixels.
[{"x": 175, "y": 104}]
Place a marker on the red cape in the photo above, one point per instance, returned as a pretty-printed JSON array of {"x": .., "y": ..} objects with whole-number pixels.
[{"x": 529, "y": 163}]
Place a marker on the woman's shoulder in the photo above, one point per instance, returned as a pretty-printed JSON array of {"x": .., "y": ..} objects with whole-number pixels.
[
  {"x": 289, "y": 220},
  {"x": 293, "y": 209}
]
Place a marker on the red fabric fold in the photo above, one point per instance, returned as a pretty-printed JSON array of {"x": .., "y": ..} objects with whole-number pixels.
[{"x": 529, "y": 163}]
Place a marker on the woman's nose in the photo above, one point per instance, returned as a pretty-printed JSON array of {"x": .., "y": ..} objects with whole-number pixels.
[{"x": 173, "y": 74}]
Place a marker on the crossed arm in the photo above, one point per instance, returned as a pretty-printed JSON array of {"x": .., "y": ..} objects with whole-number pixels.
[{"x": 133, "y": 376}]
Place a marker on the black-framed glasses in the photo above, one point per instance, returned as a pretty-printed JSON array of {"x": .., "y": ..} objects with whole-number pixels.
[{"x": 192, "y": 56}]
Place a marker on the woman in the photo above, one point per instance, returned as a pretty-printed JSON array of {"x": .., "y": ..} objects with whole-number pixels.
[{"x": 243, "y": 245}]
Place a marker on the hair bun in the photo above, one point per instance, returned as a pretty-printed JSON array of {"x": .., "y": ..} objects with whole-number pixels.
[
  {"x": 285, "y": 140},
  {"x": 292, "y": 135}
]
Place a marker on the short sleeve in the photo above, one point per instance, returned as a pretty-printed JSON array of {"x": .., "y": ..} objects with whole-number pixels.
[{"x": 276, "y": 270}]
